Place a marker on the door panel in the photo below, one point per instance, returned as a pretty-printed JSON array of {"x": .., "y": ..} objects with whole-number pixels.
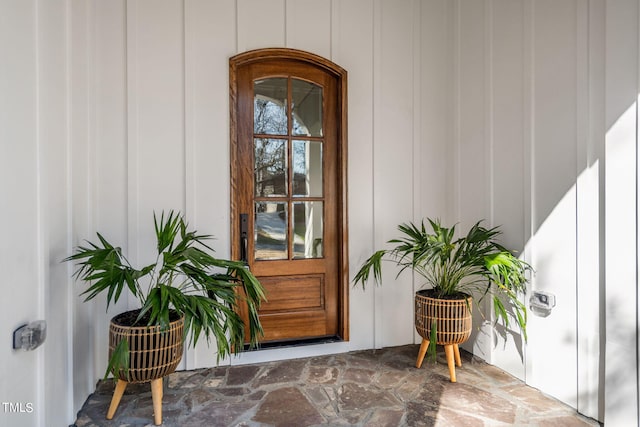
[
  {"x": 288, "y": 177},
  {"x": 294, "y": 293}
]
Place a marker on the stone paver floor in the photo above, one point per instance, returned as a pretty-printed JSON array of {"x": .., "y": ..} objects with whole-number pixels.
[{"x": 362, "y": 388}]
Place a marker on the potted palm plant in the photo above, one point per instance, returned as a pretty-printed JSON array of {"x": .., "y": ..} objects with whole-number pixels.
[
  {"x": 185, "y": 292},
  {"x": 456, "y": 270}
]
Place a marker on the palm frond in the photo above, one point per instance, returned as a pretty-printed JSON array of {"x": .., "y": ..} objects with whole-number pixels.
[{"x": 186, "y": 278}]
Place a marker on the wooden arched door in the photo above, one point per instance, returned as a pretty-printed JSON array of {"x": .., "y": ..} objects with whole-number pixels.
[{"x": 288, "y": 189}]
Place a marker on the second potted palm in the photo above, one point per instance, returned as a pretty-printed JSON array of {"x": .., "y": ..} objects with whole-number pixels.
[{"x": 456, "y": 269}]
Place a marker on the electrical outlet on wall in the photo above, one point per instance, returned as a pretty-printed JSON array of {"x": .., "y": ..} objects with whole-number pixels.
[
  {"x": 541, "y": 303},
  {"x": 30, "y": 336}
]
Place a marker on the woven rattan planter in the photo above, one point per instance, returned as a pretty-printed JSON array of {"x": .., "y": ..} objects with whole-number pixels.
[
  {"x": 152, "y": 353},
  {"x": 452, "y": 317},
  {"x": 453, "y": 325}
]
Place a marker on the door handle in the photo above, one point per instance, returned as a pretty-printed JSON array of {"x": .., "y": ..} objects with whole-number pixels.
[{"x": 244, "y": 238}]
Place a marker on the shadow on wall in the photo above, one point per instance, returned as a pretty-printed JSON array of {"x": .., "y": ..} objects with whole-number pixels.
[{"x": 594, "y": 315}]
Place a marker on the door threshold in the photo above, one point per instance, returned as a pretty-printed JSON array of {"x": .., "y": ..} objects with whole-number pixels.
[{"x": 294, "y": 343}]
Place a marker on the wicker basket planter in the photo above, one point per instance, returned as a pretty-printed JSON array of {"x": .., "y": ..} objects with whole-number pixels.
[
  {"x": 153, "y": 354},
  {"x": 453, "y": 325}
]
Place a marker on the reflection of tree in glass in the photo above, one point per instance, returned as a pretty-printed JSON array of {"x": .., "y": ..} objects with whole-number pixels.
[
  {"x": 300, "y": 168},
  {"x": 300, "y": 157},
  {"x": 299, "y": 128},
  {"x": 269, "y": 117},
  {"x": 270, "y": 166}
]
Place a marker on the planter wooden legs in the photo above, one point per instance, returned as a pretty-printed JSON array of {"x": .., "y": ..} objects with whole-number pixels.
[
  {"x": 156, "y": 396},
  {"x": 423, "y": 351},
  {"x": 451, "y": 351},
  {"x": 115, "y": 400}
]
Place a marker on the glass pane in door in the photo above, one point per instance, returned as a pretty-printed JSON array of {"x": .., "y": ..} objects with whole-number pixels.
[
  {"x": 270, "y": 167},
  {"x": 307, "y": 168},
  {"x": 307, "y": 108},
  {"x": 270, "y": 106},
  {"x": 270, "y": 235},
  {"x": 307, "y": 229}
]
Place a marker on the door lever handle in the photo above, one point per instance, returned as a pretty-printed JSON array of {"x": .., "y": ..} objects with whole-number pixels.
[
  {"x": 244, "y": 249},
  {"x": 244, "y": 238}
]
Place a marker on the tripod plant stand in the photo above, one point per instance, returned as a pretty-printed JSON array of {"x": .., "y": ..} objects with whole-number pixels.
[
  {"x": 153, "y": 354},
  {"x": 452, "y": 320}
]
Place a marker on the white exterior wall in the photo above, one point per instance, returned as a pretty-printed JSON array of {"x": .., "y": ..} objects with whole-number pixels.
[
  {"x": 21, "y": 206},
  {"x": 621, "y": 196},
  {"x": 516, "y": 148},
  {"x": 462, "y": 110},
  {"x": 529, "y": 142}
]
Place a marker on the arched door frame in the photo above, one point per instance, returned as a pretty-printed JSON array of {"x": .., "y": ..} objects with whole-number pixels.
[{"x": 340, "y": 74}]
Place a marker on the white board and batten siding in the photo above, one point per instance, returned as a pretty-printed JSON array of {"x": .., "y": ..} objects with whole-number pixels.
[{"x": 500, "y": 110}]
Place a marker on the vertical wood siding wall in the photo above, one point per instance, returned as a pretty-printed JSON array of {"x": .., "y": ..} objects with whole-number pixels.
[{"x": 463, "y": 110}]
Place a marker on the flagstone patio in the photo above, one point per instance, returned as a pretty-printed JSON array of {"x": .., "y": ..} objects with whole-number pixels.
[{"x": 362, "y": 388}]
